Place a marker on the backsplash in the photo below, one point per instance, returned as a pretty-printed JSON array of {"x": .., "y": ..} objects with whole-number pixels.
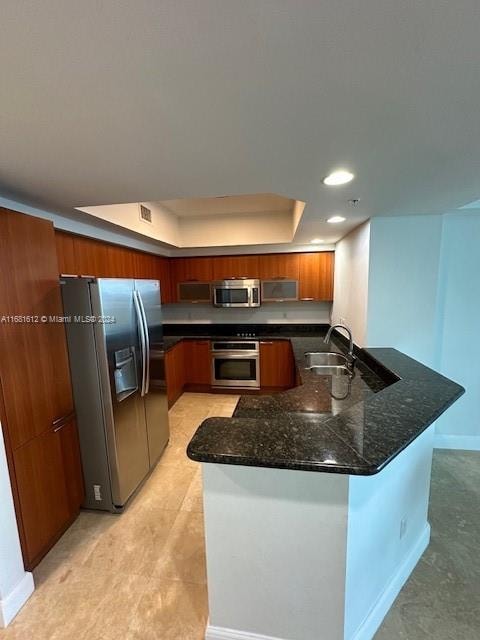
[{"x": 269, "y": 313}]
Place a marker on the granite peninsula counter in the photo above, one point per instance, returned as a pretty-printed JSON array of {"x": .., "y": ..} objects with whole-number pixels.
[
  {"x": 316, "y": 498},
  {"x": 389, "y": 404}
]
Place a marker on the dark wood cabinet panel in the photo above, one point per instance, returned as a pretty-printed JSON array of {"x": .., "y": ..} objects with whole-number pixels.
[
  {"x": 162, "y": 269},
  {"x": 197, "y": 362},
  {"x": 279, "y": 265},
  {"x": 175, "y": 372},
  {"x": 225, "y": 267},
  {"x": 44, "y": 461},
  {"x": 316, "y": 276},
  {"x": 185, "y": 269},
  {"x": 91, "y": 257},
  {"x": 49, "y": 488},
  {"x": 84, "y": 256},
  {"x": 120, "y": 261},
  {"x": 277, "y": 367},
  {"x": 189, "y": 270},
  {"x": 65, "y": 253},
  {"x": 33, "y": 355}
]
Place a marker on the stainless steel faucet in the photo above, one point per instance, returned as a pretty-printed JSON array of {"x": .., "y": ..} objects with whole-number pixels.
[{"x": 349, "y": 331}]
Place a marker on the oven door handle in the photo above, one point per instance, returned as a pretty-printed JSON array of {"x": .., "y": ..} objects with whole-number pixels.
[{"x": 235, "y": 354}]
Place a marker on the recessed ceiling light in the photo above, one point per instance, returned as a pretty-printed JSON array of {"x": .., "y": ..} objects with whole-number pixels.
[
  {"x": 316, "y": 241},
  {"x": 338, "y": 177},
  {"x": 335, "y": 219}
]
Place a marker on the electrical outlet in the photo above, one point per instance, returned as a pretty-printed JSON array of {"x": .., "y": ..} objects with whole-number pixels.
[{"x": 403, "y": 527}]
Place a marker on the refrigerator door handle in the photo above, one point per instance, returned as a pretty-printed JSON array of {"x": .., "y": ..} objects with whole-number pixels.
[
  {"x": 147, "y": 344},
  {"x": 143, "y": 344}
]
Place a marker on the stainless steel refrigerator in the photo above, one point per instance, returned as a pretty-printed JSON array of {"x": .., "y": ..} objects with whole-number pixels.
[{"x": 115, "y": 343}]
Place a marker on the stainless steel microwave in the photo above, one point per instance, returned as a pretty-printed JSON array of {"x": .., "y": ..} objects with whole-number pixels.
[{"x": 236, "y": 293}]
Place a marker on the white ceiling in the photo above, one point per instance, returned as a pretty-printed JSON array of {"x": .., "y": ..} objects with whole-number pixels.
[{"x": 159, "y": 100}]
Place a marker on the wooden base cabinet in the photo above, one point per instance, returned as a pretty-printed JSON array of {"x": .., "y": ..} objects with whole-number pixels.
[
  {"x": 37, "y": 412},
  {"x": 187, "y": 364},
  {"x": 197, "y": 362},
  {"x": 175, "y": 372},
  {"x": 277, "y": 367},
  {"x": 50, "y": 488}
]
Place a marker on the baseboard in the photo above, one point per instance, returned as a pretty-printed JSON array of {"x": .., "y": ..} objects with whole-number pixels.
[
  {"x": 221, "y": 633},
  {"x": 467, "y": 443},
  {"x": 11, "y": 605},
  {"x": 372, "y": 622}
]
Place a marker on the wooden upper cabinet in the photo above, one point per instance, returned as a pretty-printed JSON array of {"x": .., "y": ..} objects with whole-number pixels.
[
  {"x": 33, "y": 355},
  {"x": 65, "y": 253},
  {"x": 91, "y": 257},
  {"x": 191, "y": 269},
  {"x": 316, "y": 276},
  {"x": 279, "y": 265},
  {"x": 225, "y": 267},
  {"x": 163, "y": 271},
  {"x": 145, "y": 265},
  {"x": 121, "y": 262}
]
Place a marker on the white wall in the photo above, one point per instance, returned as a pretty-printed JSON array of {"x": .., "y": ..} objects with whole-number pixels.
[
  {"x": 379, "y": 560},
  {"x": 302, "y": 555},
  {"x": 403, "y": 285},
  {"x": 16, "y": 585},
  {"x": 276, "y": 549},
  {"x": 423, "y": 299},
  {"x": 351, "y": 282},
  {"x": 458, "y": 328},
  {"x": 268, "y": 313}
]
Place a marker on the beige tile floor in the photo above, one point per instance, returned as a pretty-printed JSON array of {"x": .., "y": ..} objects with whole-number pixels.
[{"x": 139, "y": 575}]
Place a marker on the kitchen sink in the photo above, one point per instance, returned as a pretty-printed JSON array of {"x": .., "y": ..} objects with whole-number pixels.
[
  {"x": 328, "y": 363},
  {"x": 331, "y": 370},
  {"x": 325, "y": 359}
]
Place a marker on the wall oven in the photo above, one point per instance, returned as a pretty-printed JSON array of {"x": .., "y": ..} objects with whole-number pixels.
[
  {"x": 236, "y": 293},
  {"x": 236, "y": 364}
]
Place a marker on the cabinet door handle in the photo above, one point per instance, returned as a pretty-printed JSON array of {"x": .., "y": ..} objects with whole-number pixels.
[
  {"x": 306, "y": 299},
  {"x": 265, "y": 342},
  {"x": 59, "y": 423}
]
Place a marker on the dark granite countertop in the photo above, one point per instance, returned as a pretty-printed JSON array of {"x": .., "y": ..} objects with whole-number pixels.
[{"x": 328, "y": 424}]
